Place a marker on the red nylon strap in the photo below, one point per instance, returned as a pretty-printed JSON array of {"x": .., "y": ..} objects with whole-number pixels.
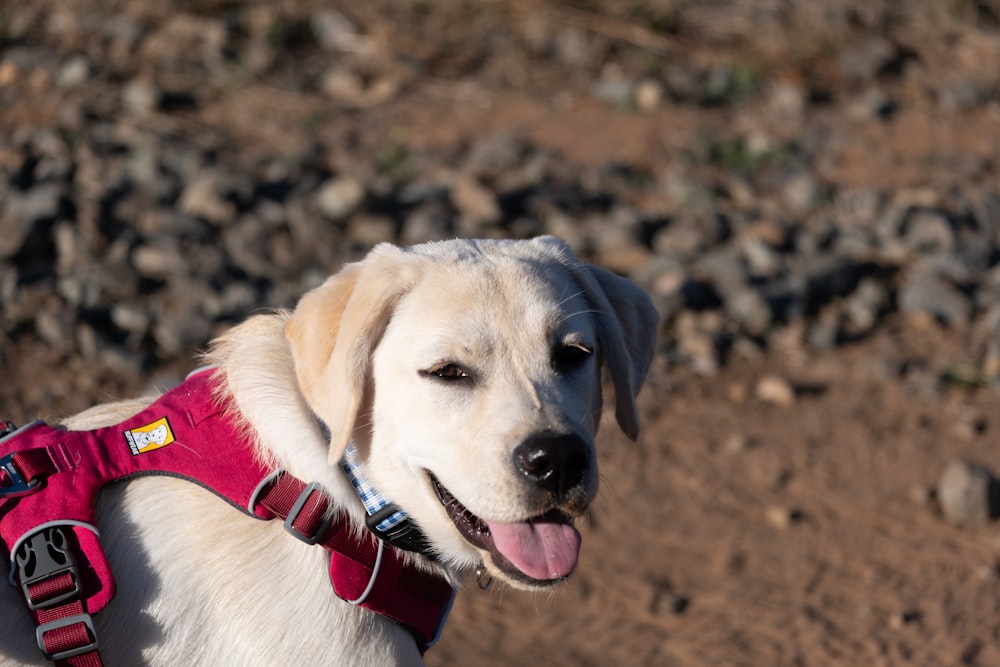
[
  {"x": 50, "y": 588},
  {"x": 33, "y": 463},
  {"x": 281, "y": 497},
  {"x": 417, "y": 599},
  {"x": 68, "y": 637}
]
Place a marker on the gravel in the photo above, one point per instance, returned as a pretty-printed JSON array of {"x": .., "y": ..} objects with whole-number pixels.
[{"x": 125, "y": 224}]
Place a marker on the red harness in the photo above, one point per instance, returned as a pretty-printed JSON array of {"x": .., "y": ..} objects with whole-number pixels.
[{"x": 49, "y": 480}]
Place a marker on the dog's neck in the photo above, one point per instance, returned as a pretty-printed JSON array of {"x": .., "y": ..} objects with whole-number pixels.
[
  {"x": 261, "y": 386},
  {"x": 386, "y": 519}
]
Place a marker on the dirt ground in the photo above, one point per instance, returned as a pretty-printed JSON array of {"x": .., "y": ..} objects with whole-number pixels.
[
  {"x": 737, "y": 531},
  {"x": 742, "y": 533}
]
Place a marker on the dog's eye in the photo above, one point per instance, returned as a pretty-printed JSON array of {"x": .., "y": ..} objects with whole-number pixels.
[
  {"x": 568, "y": 356},
  {"x": 447, "y": 372}
]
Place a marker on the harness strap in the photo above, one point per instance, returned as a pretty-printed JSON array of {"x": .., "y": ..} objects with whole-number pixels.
[
  {"x": 50, "y": 578},
  {"x": 32, "y": 464},
  {"x": 359, "y": 570},
  {"x": 50, "y": 477},
  {"x": 66, "y": 635}
]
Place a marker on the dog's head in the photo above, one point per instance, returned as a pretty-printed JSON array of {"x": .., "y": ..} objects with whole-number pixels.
[{"x": 468, "y": 375}]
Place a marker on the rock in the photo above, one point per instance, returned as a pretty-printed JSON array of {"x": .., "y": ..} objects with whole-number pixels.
[
  {"x": 473, "y": 201},
  {"x": 336, "y": 32},
  {"x": 736, "y": 443},
  {"x": 723, "y": 268},
  {"x": 864, "y": 306},
  {"x": 648, "y": 95},
  {"x": 203, "y": 198},
  {"x": 492, "y": 156},
  {"x": 903, "y": 618},
  {"x": 27, "y": 218},
  {"x": 157, "y": 261},
  {"x": 358, "y": 89},
  {"x": 140, "y": 97},
  {"x": 130, "y": 317},
  {"x": 749, "y": 309},
  {"x": 697, "y": 341},
  {"x": 71, "y": 250},
  {"x": 55, "y": 327},
  {"x": 180, "y": 325},
  {"x": 786, "y": 99},
  {"x": 666, "y": 601},
  {"x": 761, "y": 258},
  {"x": 861, "y": 61},
  {"x": 923, "y": 291},
  {"x": 681, "y": 239},
  {"x": 246, "y": 246},
  {"x": 339, "y": 197},
  {"x": 782, "y": 517},
  {"x": 428, "y": 222},
  {"x": 920, "y": 494},
  {"x": 825, "y": 331},
  {"x": 928, "y": 231},
  {"x": 968, "y": 494},
  {"x": 615, "y": 245},
  {"x": 615, "y": 91},
  {"x": 73, "y": 73},
  {"x": 775, "y": 390}
]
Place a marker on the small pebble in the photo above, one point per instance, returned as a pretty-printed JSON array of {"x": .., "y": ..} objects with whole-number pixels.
[
  {"x": 776, "y": 391},
  {"x": 782, "y": 517},
  {"x": 967, "y": 494}
]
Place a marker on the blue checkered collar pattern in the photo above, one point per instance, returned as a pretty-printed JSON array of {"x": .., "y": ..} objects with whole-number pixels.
[{"x": 372, "y": 499}]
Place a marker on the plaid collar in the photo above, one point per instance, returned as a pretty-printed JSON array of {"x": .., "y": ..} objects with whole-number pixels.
[
  {"x": 373, "y": 500},
  {"x": 386, "y": 519}
]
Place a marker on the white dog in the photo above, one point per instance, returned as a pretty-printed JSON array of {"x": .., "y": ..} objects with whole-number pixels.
[{"x": 464, "y": 376}]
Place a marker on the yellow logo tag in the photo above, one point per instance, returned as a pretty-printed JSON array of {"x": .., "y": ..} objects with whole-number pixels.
[{"x": 149, "y": 437}]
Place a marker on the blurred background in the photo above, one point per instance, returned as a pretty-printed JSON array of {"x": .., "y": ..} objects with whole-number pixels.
[{"x": 807, "y": 188}]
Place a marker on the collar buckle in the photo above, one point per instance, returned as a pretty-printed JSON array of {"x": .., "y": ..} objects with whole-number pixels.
[{"x": 403, "y": 535}]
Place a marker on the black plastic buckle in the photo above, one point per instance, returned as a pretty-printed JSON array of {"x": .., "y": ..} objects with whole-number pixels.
[
  {"x": 63, "y": 623},
  {"x": 42, "y": 556},
  {"x": 293, "y": 514},
  {"x": 12, "y": 482},
  {"x": 404, "y": 535}
]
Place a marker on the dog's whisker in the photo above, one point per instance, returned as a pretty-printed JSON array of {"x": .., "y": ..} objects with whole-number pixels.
[
  {"x": 568, "y": 316},
  {"x": 570, "y": 297}
]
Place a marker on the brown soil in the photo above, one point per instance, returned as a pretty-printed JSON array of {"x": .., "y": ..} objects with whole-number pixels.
[{"x": 738, "y": 532}]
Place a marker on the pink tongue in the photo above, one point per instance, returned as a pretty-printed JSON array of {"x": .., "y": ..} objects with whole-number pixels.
[{"x": 542, "y": 550}]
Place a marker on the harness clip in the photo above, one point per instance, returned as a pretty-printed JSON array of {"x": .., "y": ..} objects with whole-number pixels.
[
  {"x": 43, "y": 558},
  {"x": 12, "y": 482}
]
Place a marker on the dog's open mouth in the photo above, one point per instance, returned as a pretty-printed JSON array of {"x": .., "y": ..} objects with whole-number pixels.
[{"x": 540, "y": 550}]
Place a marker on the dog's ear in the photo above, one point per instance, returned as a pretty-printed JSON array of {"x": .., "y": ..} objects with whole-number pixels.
[
  {"x": 626, "y": 327},
  {"x": 334, "y": 330}
]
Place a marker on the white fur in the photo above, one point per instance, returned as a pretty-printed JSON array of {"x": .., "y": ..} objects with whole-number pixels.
[{"x": 199, "y": 583}]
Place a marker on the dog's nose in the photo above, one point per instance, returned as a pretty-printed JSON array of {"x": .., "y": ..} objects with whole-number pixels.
[{"x": 555, "y": 463}]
